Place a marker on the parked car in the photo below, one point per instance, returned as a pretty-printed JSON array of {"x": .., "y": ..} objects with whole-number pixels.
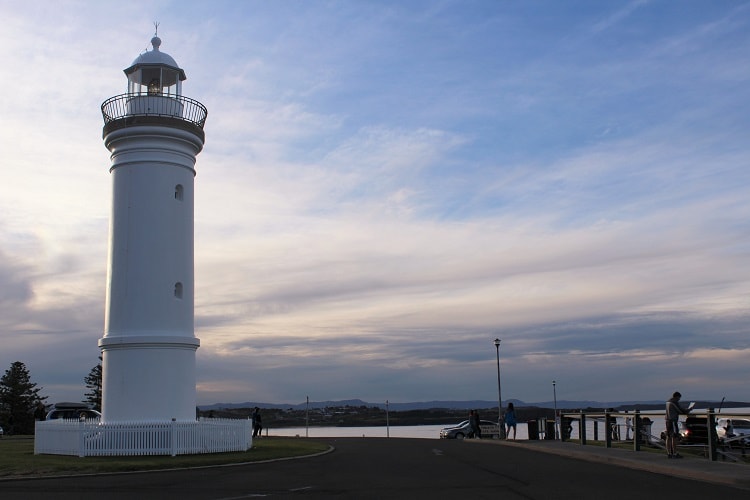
[
  {"x": 694, "y": 430},
  {"x": 72, "y": 411},
  {"x": 462, "y": 430},
  {"x": 733, "y": 428}
]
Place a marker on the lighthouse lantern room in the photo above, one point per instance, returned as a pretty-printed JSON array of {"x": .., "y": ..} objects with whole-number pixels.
[{"x": 155, "y": 73}]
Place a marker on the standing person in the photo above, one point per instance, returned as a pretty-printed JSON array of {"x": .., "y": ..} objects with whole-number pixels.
[
  {"x": 614, "y": 429},
  {"x": 672, "y": 417},
  {"x": 257, "y": 422},
  {"x": 628, "y": 426},
  {"x": 476, "y": 431},
  {"x": 510, "y": 421}
]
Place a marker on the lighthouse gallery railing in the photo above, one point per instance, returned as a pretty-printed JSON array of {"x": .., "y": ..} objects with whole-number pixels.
[{"x": 156, "y": 105}]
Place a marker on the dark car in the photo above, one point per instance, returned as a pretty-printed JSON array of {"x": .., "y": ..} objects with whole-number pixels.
[
  {"x": 694, "y": 430},
  {"x": 74, "y": 411}
]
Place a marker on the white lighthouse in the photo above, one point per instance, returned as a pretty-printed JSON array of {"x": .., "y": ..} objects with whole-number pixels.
[{"x": 148, "y": 349}]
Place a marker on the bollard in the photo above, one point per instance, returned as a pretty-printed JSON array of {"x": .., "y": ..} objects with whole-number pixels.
[
  {"x": 637, "y": 431},
  {"x": 582, "y": 427},
  {"x": 608, "y": 425},
  {"x": 532, "y": 427},
  {"x": 173, "y": 437},
  {"x": 712, "y": 438}
]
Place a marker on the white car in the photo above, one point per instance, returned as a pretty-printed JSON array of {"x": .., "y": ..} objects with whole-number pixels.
[
  {"x": 463, "y": 430},
  {"x": 733, "y": 429}
]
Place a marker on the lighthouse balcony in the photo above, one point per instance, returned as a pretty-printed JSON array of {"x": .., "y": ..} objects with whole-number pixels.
[{"x": 127, "y": 110}]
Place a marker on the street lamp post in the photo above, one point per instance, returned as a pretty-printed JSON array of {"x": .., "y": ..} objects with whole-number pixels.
[
  {"x": 554, "y": 395},
  {"x": 499, "y": 393}
]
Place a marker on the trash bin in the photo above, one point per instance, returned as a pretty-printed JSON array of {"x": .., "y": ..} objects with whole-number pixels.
[
  {"x": 533, "y": 426},
  {"x": 550, "y": 432},
  {"x": 645, "y": 436},
  {"x": 566, "y": 428}
]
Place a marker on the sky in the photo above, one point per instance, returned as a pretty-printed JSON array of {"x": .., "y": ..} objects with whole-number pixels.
[{"x": 386, "y": 187}]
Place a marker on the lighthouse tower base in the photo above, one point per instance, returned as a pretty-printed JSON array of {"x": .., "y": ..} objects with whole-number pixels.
[{"x": 148, "y": 378}]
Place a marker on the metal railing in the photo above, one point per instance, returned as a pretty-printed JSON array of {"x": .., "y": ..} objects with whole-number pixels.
[
  {"x": 157, "y": 105},
  {"x": 589, "y": 423},
  {"x": 93, "y": 438}
]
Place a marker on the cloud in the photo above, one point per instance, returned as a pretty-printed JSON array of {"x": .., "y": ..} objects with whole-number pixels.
[
  {"x": 384, "y": 190},
  {"x": 618, "y": 16},
  {"x": 16, "y": 289}
]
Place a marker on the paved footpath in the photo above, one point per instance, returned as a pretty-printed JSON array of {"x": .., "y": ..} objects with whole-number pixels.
[
  {"x": 694, "y": 468},
  {"x": 381, "y": 468}
]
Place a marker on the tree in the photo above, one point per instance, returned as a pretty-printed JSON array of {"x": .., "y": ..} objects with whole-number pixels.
[
  {"x": 20, "y": 401},
  {"x": 94, "y": 384}
]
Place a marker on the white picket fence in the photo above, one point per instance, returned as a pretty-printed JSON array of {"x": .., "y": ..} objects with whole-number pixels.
[{"x": 94, "y": 438}]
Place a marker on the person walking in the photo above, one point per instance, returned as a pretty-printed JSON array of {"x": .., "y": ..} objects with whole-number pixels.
[
  {"x": 672, "y": 418},
  {"x": 510, "y": 421},
  {"x": 257, "y": 422}
]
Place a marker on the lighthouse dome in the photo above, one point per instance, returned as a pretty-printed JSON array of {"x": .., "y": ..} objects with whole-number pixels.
[
  {"x": 155, "y": 72},
  {"x": 155, "y": 56}
]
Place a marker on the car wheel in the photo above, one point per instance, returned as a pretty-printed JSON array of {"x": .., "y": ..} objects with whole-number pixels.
[{"x": 459, "y": 435}]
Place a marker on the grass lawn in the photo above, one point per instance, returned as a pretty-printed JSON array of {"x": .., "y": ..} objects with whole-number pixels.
[{"x": 17, "y": 458}]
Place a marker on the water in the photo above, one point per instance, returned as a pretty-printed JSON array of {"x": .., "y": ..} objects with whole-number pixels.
[
  {"x": 433, "y": 431},
  {"x": 394, "y": 431}
]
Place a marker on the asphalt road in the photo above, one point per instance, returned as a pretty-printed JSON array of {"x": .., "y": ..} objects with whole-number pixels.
[{"x": 385, "y": 468}]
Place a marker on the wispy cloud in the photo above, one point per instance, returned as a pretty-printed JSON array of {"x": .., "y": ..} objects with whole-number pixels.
[
  {"x": 385, "y": 188},
  {"x": 619, "y": 15}
]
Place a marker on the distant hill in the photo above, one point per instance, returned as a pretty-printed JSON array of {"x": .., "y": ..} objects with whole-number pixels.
[
  {"x": 467, "y": 405},
  {"x": 423, "y": 405}
]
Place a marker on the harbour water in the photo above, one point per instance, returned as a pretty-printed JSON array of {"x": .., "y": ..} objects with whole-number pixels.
[
  {"x": 433, "y": 431},
  {"x": 395, "y": 431}
]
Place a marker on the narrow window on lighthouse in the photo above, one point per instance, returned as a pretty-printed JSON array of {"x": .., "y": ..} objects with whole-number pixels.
[
  {"x": 178, "y": 290},
  {"x": 178, "y": 192}
]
